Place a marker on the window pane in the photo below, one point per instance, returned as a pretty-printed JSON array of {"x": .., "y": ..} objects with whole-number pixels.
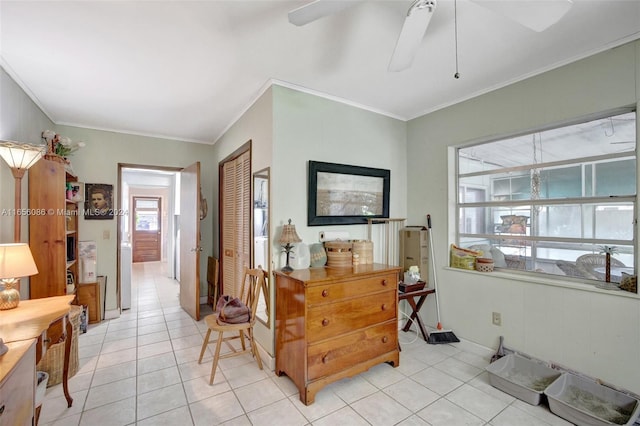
[
  {"x": 591, "y": 165},
  {"x": 146, "y": 221}
]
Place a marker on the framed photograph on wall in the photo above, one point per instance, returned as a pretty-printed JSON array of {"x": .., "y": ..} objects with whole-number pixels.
[
  {"x": 98, "y": 202},
  {"x": 341, "y": 194}
]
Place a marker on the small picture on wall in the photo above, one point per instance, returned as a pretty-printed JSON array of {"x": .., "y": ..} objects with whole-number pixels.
[{"x": 98, "y": 201}]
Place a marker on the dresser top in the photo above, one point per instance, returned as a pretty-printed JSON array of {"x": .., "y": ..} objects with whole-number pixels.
[{"x": 326, "y": 274}]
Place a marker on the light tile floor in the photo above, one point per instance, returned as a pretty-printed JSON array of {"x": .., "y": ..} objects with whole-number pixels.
[{"x": 142, "y": 369}]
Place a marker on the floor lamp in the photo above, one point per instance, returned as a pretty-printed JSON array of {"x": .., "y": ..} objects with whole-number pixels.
[{"x": 19, "y": 157}]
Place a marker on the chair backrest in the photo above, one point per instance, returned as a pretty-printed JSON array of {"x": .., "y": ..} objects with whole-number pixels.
[
  {"x": 212, "y": 271},
  {"x": 252, "y": 284},
  {"x": 595, "y": 260}
]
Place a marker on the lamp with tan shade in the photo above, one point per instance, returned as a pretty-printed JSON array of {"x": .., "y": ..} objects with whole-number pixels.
[
  {"x": 16, "y": 262},
  {"x": 288, "y": 236}
]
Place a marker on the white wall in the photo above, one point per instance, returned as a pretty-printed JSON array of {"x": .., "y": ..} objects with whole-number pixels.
[
  {"x": 589, "y": 330},
  {"x": 308, "y": 127},
  {"x": 98, "y": 163},
  {"x": 288, "y": 128},
  {"x": 256, "y": 124}
]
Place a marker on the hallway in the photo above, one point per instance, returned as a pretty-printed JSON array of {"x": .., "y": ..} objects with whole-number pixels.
[{"x": 141, "y": 369}]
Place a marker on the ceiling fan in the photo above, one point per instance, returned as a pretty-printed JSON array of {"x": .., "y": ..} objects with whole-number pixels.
[{"x": 537, "y": 15}]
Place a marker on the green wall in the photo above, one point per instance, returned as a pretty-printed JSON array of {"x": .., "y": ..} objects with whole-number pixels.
[{"x": 589, "y": 330}]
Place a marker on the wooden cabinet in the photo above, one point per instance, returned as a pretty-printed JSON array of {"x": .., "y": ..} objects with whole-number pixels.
[
  {"x": 17, "y": 383},
  {"x": 333, "y": 323},
  {"x": 53, "y": 229},
  {"x": 89, "y": 295}
]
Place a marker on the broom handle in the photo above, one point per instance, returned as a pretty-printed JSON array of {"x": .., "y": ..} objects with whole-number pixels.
[{"x": 433, "y": 267}]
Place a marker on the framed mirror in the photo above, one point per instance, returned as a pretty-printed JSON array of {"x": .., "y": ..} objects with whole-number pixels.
[{"x": 261, "y": 244}]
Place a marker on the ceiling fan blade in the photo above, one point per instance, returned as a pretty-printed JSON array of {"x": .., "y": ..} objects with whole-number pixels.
[
  {"x": 537, "y": 15},
  {"x": 318, "y": 9},
  {"x": 413, "y": 29}
]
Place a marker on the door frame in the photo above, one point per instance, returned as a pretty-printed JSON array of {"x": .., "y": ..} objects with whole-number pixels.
[{"x": 121, "y": 166}]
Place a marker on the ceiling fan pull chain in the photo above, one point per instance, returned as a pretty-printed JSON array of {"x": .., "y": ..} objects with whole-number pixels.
[{"x": 455, "y": 24}]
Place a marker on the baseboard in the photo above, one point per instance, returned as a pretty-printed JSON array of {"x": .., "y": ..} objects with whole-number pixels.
[
  {"x": 111, "y": 314},
  {"x": 268, "y": 361}
]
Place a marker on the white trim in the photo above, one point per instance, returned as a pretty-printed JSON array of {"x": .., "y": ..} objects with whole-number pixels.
[{"x": 111, "y": 314}]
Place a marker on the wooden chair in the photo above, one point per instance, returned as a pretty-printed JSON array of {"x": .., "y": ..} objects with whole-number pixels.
[
  {"x": 212, "y": 281},
  {"x": 252, "y": 284}
]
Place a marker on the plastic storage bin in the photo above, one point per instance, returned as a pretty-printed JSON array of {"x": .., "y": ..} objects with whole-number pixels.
[
  {"x": 521, "y": 377},
  {"x": 585, "y": 402}
]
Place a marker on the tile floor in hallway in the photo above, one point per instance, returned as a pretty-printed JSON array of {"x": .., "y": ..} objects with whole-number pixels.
[{"x": 142, "y": 369}]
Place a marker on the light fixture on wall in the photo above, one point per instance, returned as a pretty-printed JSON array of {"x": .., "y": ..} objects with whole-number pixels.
[
  {"x": 19, "y": 157},
  {"x": 16, "y": 262},
  {"x": 288, "y": 236}
]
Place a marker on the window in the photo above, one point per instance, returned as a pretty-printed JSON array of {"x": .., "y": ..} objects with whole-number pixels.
[{"x": 549, "y": 201}]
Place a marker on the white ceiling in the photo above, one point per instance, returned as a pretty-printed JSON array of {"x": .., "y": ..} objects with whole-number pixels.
[{"x": 187, "y": 70}]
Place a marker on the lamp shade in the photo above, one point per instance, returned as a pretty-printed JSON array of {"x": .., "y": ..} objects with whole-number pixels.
[
  {"x": 289, "y": 234},
  {"x": 16, "y": 261},
  {"x": 21, "y": 155}
]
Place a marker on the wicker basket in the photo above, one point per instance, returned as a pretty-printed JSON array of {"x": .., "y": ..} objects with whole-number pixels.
[
  {"x": 364, "y": 249},
  {"x": 339, "y": 254},
  {"x": 53, "y": 360},
  {"x": 57, "y": 158}
]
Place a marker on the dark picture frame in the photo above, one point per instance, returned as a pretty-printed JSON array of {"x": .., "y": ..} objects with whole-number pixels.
[
  {"x": 341, "y": 194},
  {"x": 98, "y": 202}
]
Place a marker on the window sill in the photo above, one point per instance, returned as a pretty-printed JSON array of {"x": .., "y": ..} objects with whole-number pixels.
[{"x": 574, "y": 284}]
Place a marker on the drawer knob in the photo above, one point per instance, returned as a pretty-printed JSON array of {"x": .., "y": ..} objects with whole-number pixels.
[
  {"x": 325, "y": 322},
  {"x": 384, "y": 282},
  {"x": 384, "y": 306},
  {"x": 325, "y": 359},
  {"x": 385, "y": 339},
  {"x": 2, "y": 409},
  {"x": 325, "y": 293}
]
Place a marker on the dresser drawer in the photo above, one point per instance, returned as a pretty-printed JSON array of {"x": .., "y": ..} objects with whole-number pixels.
[
  {"x": 335, "y": 355},
  {"x": 353, "y": 288},
  {"x": 333, "y": 319}
]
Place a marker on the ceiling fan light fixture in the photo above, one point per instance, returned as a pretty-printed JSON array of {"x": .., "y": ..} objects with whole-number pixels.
[{"x": 421, "y": 4}]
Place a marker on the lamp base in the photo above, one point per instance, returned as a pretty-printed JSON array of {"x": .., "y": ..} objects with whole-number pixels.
[
  {"x": 9, "y": 297},
  {"x": 287, "y": 269}
]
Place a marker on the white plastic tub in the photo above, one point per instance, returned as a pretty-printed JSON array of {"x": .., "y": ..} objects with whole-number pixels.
[
  {"x": 585, "y": 402},
  {"x": 521, "y": 377}
]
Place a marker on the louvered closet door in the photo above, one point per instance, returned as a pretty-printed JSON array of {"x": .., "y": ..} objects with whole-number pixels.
[{"x": 236, "y": 211}]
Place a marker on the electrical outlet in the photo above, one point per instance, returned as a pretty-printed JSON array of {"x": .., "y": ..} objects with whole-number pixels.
[
  {"x": 106, "y": 234},
  {"x": 496, "y": 318}
]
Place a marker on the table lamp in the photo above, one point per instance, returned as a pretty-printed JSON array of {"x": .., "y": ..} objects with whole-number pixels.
[
  {"x": 16, "y": 262},
  {"x": 19, "y": 157},
  {"x": 288, "y": 236}
]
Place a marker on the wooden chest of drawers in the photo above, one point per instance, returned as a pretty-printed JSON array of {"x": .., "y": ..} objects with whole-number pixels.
[{"x": 333, "y": 323}]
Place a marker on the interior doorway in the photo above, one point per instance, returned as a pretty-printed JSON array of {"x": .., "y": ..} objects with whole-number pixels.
[
  {"x": 148, "y": 183},
  {"x": 146, "y": 229}
]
